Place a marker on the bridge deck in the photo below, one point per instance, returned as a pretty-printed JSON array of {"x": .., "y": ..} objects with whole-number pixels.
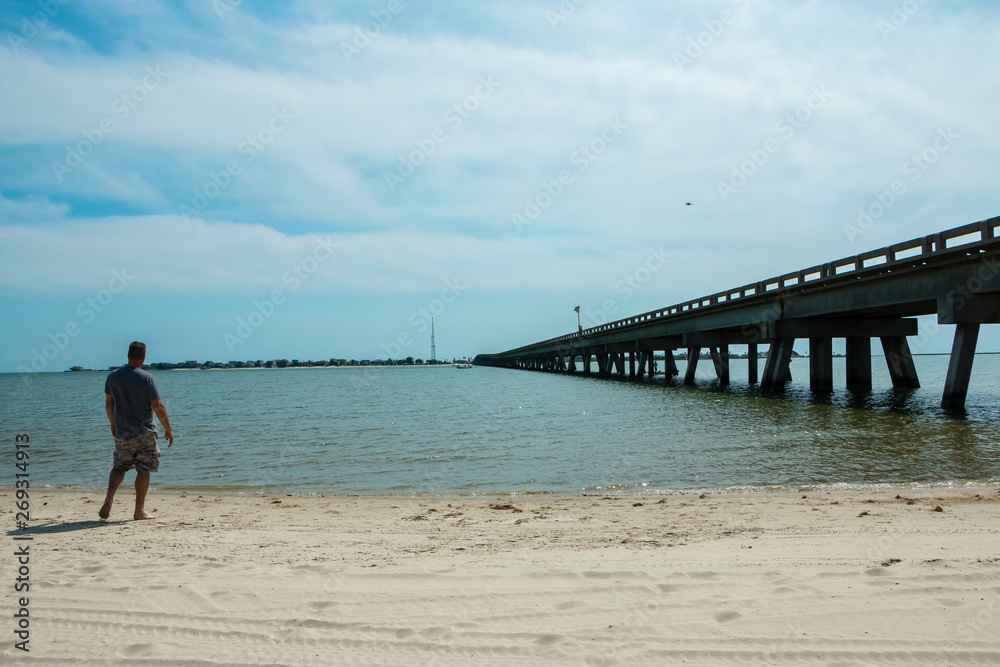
[{"x": 953, "y": 274}]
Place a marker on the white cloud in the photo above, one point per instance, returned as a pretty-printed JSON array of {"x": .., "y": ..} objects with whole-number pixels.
[{"x": 168, "y": 255}]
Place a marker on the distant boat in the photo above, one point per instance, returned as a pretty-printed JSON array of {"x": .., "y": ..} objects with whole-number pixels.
[{"x": 463, "y": 366}]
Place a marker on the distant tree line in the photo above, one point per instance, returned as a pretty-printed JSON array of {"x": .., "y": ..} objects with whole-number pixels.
[
  {"x": 762, "y": 354},
  {"x": 282, "y": 363}
]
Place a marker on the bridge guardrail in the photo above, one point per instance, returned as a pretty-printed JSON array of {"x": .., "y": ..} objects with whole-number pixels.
[{"x": 898, "y": 254}]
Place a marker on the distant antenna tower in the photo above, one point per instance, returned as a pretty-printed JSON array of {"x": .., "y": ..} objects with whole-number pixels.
[{"x": 433, "y": 349}]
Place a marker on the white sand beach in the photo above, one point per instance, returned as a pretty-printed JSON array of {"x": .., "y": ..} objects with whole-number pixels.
[{"x": 841, "y": 578}]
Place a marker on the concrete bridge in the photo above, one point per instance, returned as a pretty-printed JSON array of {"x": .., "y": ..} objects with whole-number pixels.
[{"x": 953, "y": 274}]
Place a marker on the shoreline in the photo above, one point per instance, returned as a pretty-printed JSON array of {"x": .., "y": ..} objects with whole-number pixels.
[
  {"x": 749, "y": 490},
  {"x": 864, "y": 578},
  {"x": 442, "y": 365}
]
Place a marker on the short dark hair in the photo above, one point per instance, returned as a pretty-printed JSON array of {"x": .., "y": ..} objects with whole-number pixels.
[{"x": 136, "y": 350}]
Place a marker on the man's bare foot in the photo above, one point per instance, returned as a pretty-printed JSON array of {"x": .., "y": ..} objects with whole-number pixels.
[
  {"x": 138, "y": 516},
  {"x": 105, "y": 510}
]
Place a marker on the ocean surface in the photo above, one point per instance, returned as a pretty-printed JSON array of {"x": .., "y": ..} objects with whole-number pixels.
[{"x": 488, "y": 431}]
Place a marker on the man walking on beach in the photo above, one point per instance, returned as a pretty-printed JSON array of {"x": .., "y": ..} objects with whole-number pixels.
[{"x": 130, "y": 399}]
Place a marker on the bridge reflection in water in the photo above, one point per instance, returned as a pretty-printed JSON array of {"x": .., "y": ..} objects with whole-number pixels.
[{"x": 953, "y": 274}]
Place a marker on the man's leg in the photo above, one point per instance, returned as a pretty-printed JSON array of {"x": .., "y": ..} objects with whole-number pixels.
[
  {"x": 114, "y": 481},
  {"x": 141, "y": 486}
]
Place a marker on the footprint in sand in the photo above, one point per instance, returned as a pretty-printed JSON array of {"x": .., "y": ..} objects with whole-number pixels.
[
  {"x": 135, "y": 650},
  {"x": 548, "y": 640},
  {"x": 320, "y": 605},
  {"x": 950, "y": 602},
  {"x": 727, "y": 616}
]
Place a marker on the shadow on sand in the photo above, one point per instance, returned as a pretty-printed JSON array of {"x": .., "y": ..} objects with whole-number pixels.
[{"x": 51, "y": 527}]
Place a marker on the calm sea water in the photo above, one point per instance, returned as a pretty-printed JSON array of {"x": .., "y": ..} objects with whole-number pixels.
[{"x": 485, "y": 430}]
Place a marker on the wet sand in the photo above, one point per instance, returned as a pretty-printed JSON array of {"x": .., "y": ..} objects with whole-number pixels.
[{"x": 851, "y": 578}]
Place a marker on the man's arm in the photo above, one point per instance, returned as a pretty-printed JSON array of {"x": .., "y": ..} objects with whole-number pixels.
[
  {"x": 161, "y": 414},
  {"x": 109, "y": 407}
]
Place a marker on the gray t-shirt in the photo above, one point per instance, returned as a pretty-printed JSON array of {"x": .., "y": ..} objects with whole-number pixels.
[{"x": 132, "y": 389}]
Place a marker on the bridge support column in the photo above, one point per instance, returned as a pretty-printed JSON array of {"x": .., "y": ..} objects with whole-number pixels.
[
  {"x": 619, "y": 358},
  {"x": 859, "y": 363},
  {"x": 821, "y": 364},
  {"x": 900, "y": 362},
  {"x": 752, "y": 363},
  {"x": 968, "y": 314},
  {"x": 631, "y": 365},
  {"x": 643, "y": 365},
  {"x": 603, "y": 363},
  {"x": 651, "y": 364},
  {"x": 571, "y": 364},
  {"x": 963, "y": 352},
  {"x": 720, "y": 357},
  {"x": 694, "y": 353},
  {"x": 776, "y": 371},
  {"x": 587, "y": 361},
  {"x": 670, "y": 364}
]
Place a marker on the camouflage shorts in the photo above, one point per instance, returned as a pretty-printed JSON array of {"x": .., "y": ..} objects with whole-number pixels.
[{"x": 139, "y": 452}]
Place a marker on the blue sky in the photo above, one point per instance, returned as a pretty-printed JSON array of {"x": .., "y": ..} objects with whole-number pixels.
[{"x": 246, "y": 180}]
